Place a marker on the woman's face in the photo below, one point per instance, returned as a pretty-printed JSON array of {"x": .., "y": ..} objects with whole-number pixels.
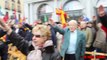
[
  {"x": 38, "y": 38},
  {"x": 83, "y": 24}
]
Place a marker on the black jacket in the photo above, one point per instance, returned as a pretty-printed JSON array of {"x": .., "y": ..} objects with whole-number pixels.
[
  {"x": 103, "y": 20},
  {"x": 25, "y": 47}
]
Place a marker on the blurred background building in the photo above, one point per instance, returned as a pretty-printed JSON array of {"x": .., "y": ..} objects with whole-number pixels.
[
  {"x": 12, "y": 9},
  {"x": 45, "y": 9}
]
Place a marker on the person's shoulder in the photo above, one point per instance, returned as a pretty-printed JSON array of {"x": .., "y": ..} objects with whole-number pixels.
[
  {"x": 80, "y": 32},
  {"x": 66, "y": 29},
  {"x": 56, "y": 55},
  {"x": 88, "y": 28}
]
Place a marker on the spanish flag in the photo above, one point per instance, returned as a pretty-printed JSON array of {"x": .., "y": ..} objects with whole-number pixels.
[
  {"x": 3, "y": 38},
  {"x": 62, "y": 15}
]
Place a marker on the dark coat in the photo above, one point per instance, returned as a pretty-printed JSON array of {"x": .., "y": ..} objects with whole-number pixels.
[
  {"x": 3, "y": 50},
  {"x": 103, "y": 20},
  {"x": 25, "y": 47},
  {"x": 2, "y": 33},
  {"x": 53, "y": 36}
]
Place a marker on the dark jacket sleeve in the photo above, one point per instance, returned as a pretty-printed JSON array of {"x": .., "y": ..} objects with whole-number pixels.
[
  {"x": 103, "y": 20},
  {"x": 60, "y": 30},
  {"x": 19, "y": 42},
  {"x": 2, "y": 33},
  {"x": 30, "y": 27}
]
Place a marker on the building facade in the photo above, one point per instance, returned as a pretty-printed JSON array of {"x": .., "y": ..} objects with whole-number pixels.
[
  {"x": 45, "y": 9},
  {"x": 11, "y": 7}
]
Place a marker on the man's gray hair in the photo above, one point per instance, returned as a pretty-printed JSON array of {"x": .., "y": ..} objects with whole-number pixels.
[{"x": 73, "y": 21}]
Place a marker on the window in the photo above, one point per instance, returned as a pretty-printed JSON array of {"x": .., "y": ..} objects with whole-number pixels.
[
  {"x": 18, "y": 2},
  {"x": 19, "y": 17},
  {"x": 7, "y": 4},
  {"x": 44, "y": 12},
  {"x": 45, "y": 17},
  {"x": 19, "y": 8},
  {"x": 13, "y": 6},
  {"x": 73, "y": 9},
  {"x": 13, "y": 0}
]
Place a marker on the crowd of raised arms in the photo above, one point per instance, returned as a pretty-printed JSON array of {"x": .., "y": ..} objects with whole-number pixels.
[{"x": 53, "y": 41}]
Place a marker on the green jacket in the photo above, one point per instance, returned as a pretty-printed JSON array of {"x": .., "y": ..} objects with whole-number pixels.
[{"x": 80, "y": 45}]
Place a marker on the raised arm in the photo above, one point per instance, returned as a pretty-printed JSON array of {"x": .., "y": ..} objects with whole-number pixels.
[
  {"x": 16, "y": 39},
  {"x": 102, "y": 15},
  {"x": 56, "y": 28}
]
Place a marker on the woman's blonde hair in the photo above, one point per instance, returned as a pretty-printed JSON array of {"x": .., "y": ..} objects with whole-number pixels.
[{"x": 43, "y": 29}]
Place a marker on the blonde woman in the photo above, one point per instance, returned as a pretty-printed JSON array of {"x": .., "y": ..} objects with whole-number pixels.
[{"x": 40, "y": 48}]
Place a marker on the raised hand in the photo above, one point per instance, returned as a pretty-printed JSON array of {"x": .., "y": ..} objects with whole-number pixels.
[
  {"x": 5, "y": 27},
  {"x": 101, "y": 11},
  {"x": 51, "y": 22},
  {"x": 94, "y": 18}
]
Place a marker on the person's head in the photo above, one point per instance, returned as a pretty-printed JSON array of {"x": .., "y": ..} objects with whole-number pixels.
[
  {"x": 90, "y": 24},
  {"x": 20, "y": 25},
  {"x": 94, "y": 18},
  {"x": 41, "y": 33},
  {"x": 99, "y": 25},
  {"x": 72, "y": 25},
  {"x": 83, "y": 24},
  {"x": 80, "y": 19}
]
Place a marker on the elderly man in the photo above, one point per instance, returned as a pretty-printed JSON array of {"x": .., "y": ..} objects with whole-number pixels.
[{"x": 73, "y": 46}]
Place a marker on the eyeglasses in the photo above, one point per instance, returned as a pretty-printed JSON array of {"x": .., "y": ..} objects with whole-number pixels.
[{"x": 38, "y": 36}]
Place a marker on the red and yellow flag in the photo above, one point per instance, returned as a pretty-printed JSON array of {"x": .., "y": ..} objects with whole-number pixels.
[
  {"x": 3, "y": 38},
  {"x": 62, "y": 15}
]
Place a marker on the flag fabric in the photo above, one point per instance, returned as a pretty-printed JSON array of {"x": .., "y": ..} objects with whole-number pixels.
[
  {"x": 15, "y": 17},
  {"x": 6, "y": 17},
  {"x": 3, "y": 38},
  {"x": 16, "y": 21},
  {"x": 62, "y": 15}
]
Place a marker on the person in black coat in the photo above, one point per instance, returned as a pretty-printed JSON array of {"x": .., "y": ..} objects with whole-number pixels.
[
  {"x": 103, "y": 18},
  {"x": 3, "y": 50},
  {"x": 41, "y": 34}
]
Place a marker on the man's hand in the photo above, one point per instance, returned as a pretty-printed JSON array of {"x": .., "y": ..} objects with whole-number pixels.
[
  {"x": 94, "y": 18},
  {"x": 51, "y": 22},
  {"x": 101, "y": 11}
]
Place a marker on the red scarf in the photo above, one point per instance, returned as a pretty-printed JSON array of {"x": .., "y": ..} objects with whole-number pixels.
[{"x": 105, "y": 29}]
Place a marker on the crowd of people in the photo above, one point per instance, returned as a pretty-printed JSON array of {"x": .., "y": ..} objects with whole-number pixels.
[{"x": 50, "y": 41}]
